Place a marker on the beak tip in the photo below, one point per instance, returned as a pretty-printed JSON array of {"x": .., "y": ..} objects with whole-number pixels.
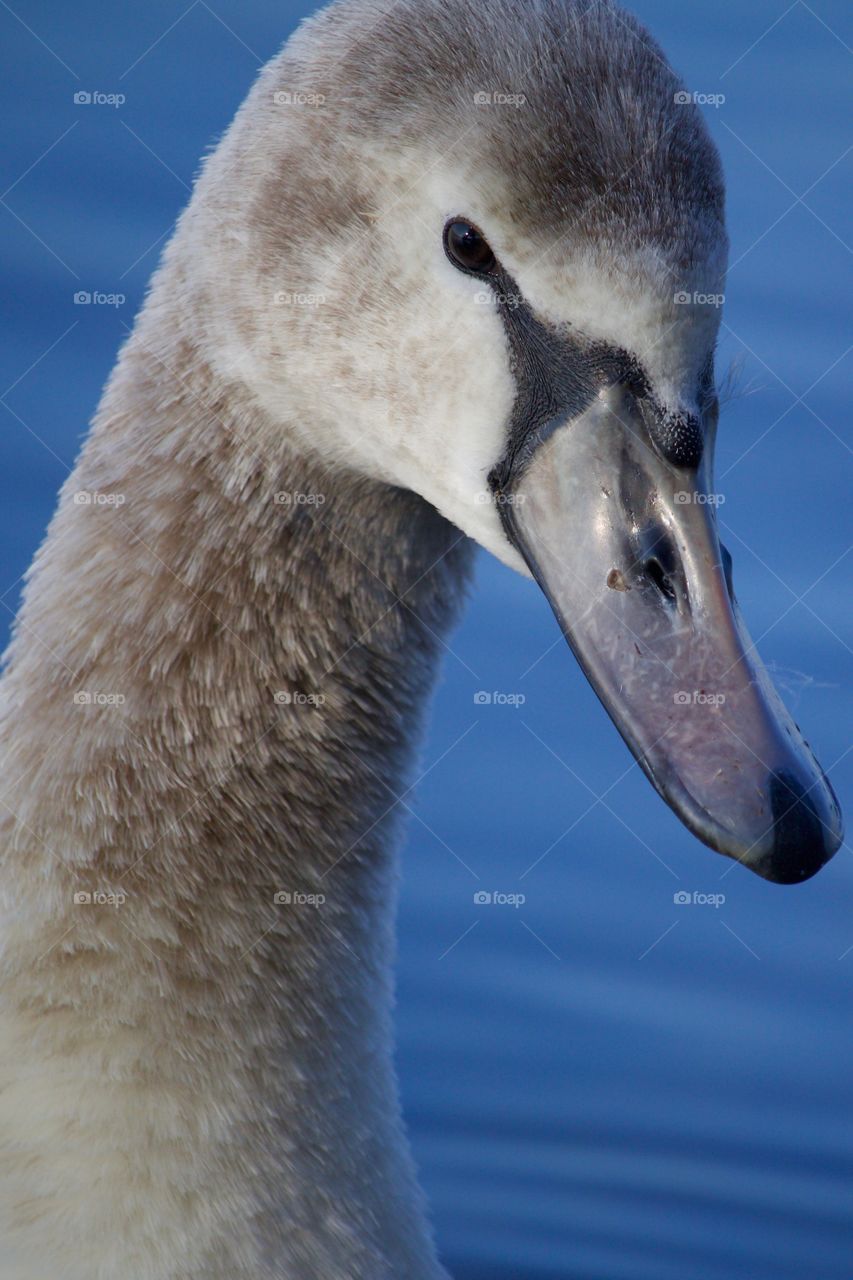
[
  {"x": 805, "y": 832},
  {"x": 802, "y": 841}
]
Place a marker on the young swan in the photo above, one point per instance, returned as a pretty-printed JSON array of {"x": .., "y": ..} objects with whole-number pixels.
[{"x": 216, "y": 681}]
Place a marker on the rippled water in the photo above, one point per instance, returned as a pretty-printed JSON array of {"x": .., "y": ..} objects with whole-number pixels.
[{"x": 600, "y": 1083}]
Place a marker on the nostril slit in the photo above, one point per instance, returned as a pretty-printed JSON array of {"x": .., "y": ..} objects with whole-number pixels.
[{"x": 655, "y": 573}]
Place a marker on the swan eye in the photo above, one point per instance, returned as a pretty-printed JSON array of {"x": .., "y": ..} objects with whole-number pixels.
[{"x": 467, "y": 248}]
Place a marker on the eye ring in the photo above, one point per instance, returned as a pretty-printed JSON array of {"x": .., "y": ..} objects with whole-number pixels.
[{"x": 467, "y": 248}]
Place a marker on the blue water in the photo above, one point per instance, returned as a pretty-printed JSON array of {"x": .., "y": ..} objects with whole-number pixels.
[{"x": 599, "y": 1083}]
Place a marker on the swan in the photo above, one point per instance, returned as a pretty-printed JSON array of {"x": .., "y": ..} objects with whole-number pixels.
[{"x": 444, "y": 281}]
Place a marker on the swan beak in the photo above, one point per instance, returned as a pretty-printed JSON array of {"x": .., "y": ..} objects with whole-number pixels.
[{"x": 625, "y": 547}]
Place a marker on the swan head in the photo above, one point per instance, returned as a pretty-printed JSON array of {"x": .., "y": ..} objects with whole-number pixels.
[{"x": 479, "y": 254}]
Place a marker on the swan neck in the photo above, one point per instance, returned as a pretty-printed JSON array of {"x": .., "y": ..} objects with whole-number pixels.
[{"x": 222, "y": 689}]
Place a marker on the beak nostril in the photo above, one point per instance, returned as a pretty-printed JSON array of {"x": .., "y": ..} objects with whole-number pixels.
[
  {"x": 660, "y": 564},
  {"x": 654, "y": 571}
]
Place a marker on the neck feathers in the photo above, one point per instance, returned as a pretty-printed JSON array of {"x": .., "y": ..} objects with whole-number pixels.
[{"x": 217, "y": 675}]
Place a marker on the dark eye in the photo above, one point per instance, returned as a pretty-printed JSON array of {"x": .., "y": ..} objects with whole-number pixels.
[{"x": 467, "y": 248}]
